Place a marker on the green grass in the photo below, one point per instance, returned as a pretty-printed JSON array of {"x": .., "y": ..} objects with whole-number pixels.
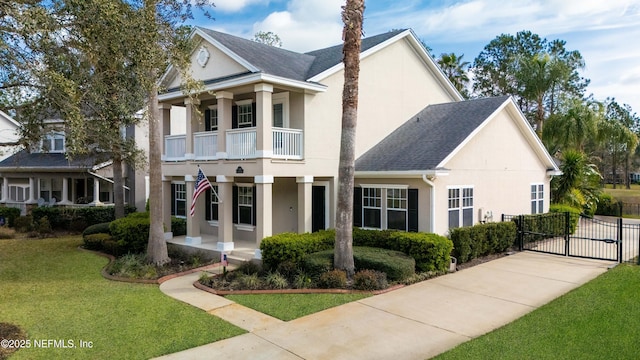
[
  {"x": 631, "y": 196},
  {"x": 596, "y": 321},
  {"x": 292, "y": 306},
  {"x": 54, "y": 291}
]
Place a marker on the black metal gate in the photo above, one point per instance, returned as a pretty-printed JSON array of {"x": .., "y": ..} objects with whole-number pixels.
[{"x": 554, "y": 233}]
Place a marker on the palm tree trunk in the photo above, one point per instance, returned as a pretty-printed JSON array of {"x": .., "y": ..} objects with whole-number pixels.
[{"x": 352, "y": 16}]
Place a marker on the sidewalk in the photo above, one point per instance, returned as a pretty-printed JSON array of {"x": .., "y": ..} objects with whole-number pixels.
[{"x": 415, "y": 322}]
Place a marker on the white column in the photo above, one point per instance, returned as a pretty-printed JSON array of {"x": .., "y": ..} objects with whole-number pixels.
[
  {"x": 30, "y": 199},
  {"x": 65, "y": 191},
  {"x": 305, "y": 185},
  {"x": 96, "y": 191},
  {"x": 5, "y": 189},
  {"x": 264, "y": 120},
  {"x": 193, "y": 222},
  {"x": 165, "y": 117},
  {"x": 225, "y": 104},
  {"x": 264, "y": 207},
  {"x": 192, "y": 126},
  {"x": 225, "y": 213},
  {"x": 166, "y": 207}
]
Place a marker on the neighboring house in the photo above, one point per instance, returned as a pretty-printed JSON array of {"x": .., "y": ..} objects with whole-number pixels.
[
  {"x": 266, "y": 132},
  {"x": 45, "y": 176},
  {"x": 8, "y": 136}
]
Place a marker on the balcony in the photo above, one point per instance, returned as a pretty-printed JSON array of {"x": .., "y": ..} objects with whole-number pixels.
[{"x": 240, "y": 144}]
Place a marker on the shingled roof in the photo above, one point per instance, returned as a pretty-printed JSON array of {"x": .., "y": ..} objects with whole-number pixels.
[
  {"x": 25, "y": 161},
  {"x": 424, "y": 141},
  {"x": 289, "y": 64}
]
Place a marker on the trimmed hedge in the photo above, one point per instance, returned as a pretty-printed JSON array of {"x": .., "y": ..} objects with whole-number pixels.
[
  {"x": 574, "y": 214},
  {"x": 131, "y": 233},
  {"x": 95, "y": 241},
  {"x": 430, "y": 251},
  {"x": 102, "y": 228},
  {"x": 63, "y": 218},
  {"x": 608, "y": 205},
  {"x": 10, "y": 214},
  {"x": 480, "y": 240}
]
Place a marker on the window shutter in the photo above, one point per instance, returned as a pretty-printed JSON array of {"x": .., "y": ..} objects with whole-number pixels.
[
  {"x": 234, "y": 117},
  {"x": 412, "y": 207},
  {"x": 207, "y": 202},
  {"x": 207, "y": 120},
  {"x": 173, "y": 199},
  {"x": 253, "y": 114},
  {"x": 357, "y": 206},
  {"x": 235, "y": 204},
  {"x": 255, "y": 210}
]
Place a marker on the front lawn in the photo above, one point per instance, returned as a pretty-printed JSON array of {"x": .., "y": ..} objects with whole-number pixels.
[
  {"x": 53, "y": 291},
  {"x": 595, "y": 321}
]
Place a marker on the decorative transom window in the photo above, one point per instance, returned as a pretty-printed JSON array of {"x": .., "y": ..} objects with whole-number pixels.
[
  {"x": 245, "y": 113},
  {"x": 245, "y": 205},
  {"x": 460, "y": 206},
  {"x": 384, "y": 207},
  {"x": 537, "y": 198},
  {"x": 180, "y": 200}
]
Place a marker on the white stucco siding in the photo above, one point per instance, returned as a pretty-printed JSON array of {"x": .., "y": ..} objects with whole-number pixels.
[
  {"x": 394, "y": 85},
  {"x": 219, "y": 65},
  {"x": 500, "y": 165}
]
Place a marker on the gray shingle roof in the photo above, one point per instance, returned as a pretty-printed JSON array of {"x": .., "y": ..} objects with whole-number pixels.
[
  {"x": 429, "y": 136},
  {"x": 52, "y": 161},
  {"x": 289, "y": 64}
]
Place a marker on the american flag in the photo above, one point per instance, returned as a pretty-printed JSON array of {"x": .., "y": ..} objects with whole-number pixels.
[{"x": 202, "y": 184}]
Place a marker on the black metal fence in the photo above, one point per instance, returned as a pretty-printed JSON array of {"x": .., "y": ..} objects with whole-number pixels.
[{"x": 591, "y": 238}]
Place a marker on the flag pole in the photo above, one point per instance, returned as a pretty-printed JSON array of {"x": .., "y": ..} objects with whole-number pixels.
[{"x": 211, "y": 186}]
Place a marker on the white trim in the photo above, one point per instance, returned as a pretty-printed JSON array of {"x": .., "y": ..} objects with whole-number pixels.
[
  {"x": 224, "y": 179},
  {"x": 244, "y": 184},
  {"x": 244, "y": 227},
  {"x": 385, "y": 186},
  {"x": 263, "y": 87},
  {"x": 9, "y": 118},
  {"x": 193, "y": 240},
  {"x": 306, "y": 179},
  {"x": 266, "y": 154},
  {"x": 401, "y": 174},
  {"x": 327, "y": 200},
  {"x": 213, "y": 223},
  {"x": 263, "y": 179},
  {"x": 459, "y": 186},
  {"x": 225, "y": 246},
  {"x": 225, "y": 50},
  {"x": 282, "y": 98},
  {"x": 244, "y": 102}
]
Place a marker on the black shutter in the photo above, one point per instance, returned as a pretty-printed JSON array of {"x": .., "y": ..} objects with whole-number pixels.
[
  {"x": 173, "y": 199},
  {"x": 412, "y": 207},
  {"x": 255, "y": 210},
  {"x": 253, "y": 114},
  {"x": 357, "y": 206},
  {"x": 207, "y": 207},
  {"x": 234, "y": 117},
  {"x": 207, "y": 120},
  {"x": 235, "y": 204}
]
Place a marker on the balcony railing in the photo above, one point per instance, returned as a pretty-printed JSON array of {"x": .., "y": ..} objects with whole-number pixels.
[
  {"x": 205, "y": 145},
  {"x": 287, "y": 143},
  {"x": 175, "y": 147},
  {"x": 240, "y": 144}
]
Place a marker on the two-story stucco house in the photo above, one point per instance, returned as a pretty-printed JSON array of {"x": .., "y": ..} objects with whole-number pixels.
[{"x": 266, "y": 132}]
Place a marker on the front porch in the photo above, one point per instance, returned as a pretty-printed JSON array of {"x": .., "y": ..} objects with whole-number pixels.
[{"x": 244, "y": 250}]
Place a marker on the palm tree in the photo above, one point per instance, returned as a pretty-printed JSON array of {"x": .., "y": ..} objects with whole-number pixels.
[
  {"x": 579, "y": 184},
  {"x": 574, "y": 126},
  {"x": 456, "y": 70}
]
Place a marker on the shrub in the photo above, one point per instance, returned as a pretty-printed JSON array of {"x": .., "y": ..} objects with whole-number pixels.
[
  {"x": 395, "y": 264},
  {"x": 102, "y": 228},
  {"x": 131, "y": 233},
  {"x": 370, "y": 280},
  {"x": 78, "y": 225},
  {"x": 95, "y": 241},
  {"x": 276, "y": 281},
  {"x": 44, "y": 227},
  {"x": 430, "y": 251},
  {"x": 574, "y": 214},
  {"x": 288, "y": 269},
  {"x": 178, "y": 226},
  {"x": 249, "y": 268},
  {"x": 247, "y": 282},
  {"x": 293, "y": 247},
  {"x": 10, "y": 215},
  {"x": 608, "y": 205},
  {"x": 7, "y": 233},
  {"x": 24, "y": 223},
  {"x": 482, "y": 239},
  {"x": 302, "y": 281},
  {"x": 333, "y": 279},
  {"x": 133, "y": 266},
  {"x": 76, "y": 219},
  {"x": 318, "y": 263}
]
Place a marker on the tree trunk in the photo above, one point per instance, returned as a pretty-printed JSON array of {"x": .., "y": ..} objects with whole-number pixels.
[
  {"x": 539, "y": 116},
  {"x": 118, "y": 190},
  {"x": 157, "y": 246},
  {"x": 627, "y": 182},
  {"x": 352, "y": 16},
  {"x": 614, "y": 164}
]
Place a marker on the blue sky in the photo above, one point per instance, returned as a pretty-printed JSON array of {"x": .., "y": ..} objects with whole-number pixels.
[{"x": 606, "y": 32}]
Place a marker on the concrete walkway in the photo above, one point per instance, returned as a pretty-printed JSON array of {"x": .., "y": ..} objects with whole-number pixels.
[{"x": 415, "y": 322}]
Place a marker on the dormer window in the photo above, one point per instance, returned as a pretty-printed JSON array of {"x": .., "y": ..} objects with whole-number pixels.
[{"x": 53, "y": 142}]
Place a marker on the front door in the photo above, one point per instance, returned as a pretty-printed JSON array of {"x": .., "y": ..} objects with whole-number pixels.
[{"x": 318, "y": 208}]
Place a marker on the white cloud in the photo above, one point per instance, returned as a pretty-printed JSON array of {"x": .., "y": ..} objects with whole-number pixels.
[{"x": 236, "y": 5}]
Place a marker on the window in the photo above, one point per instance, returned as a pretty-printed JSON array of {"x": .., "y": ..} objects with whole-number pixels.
[
  {"x": 211, "y": 118},
  {"x": 51, "y": 189},
  {"x": 385, "y": 207},
  {"x": 212, "y": 211},
  {"x": 245, "y": 205},
  {"x": 245, "y": 113},
  {"x": 179, "y": 205},
  {"x": 460, "y": 207},
  {"x": 280, "y": 103},
  {"x": 537, "y": 198},
  {"x": 53, "y": 142},
  {"x": 18, "y": 193},
  {"x": 372, "y": 207},
  {"x": 397, "y": 209}
]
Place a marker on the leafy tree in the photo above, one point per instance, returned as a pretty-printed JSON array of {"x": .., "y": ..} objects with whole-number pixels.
[
  {"x": 267, "y": 38},
  {"x": 456, "y": 70},
  {"x": 579, "y": 184},
  {"x": 352, "y": 17},
  {"x": 573, "y": 126},
  {"x": 618, "y": 137}
]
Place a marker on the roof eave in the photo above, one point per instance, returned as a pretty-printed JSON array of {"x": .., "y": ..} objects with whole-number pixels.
[{"x": 401, "y": 174}]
